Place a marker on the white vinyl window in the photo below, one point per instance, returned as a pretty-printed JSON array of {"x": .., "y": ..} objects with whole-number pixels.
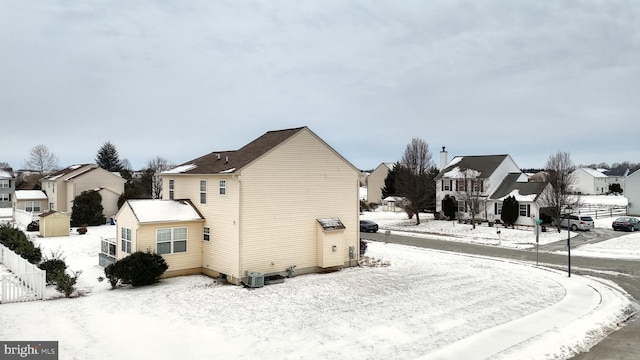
[
  {"x": 5, "y": 197},
  {"x": 171, "y": 240},
  {"x": 461, "y": 206},
  {"x": 446, "y": 185},
  {"x": 5, "y": 183},
  {"x": 524, "y": 210},
  {"x": 32, "y": 206},
  {"x": 223, "y": 187},
  {"x": 206, "y": 231},
  {"x": 203, "y": 191},
  {"x": 125, "y": 240},
  {"x": 498, "y": 208},
  {"x": 171, "y": 189},
  {"x": 108, "y": 247}
]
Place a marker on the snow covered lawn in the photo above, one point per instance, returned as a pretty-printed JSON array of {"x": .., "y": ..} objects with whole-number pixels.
[{"x": 424, "y": 301}]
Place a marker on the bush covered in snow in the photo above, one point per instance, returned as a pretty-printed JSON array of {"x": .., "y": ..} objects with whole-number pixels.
[{"x": 17, "y": 241}]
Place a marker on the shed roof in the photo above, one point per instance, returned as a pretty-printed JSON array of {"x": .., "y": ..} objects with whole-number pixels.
[
  {"x": 150, "y": 211},
  {"x": 30, "y": 195},
  {"x": 331, "y": 224}
]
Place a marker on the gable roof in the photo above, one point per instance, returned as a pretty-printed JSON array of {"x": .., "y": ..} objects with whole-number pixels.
[
  {"x": 593, "y": 172},
  {"x": 484, "y": 165},
  {"x": 619, "y": 172},
  {"x": 66, "y": 171},
  {"x": 151, "y": 211},
  {"x": 512, "y": 185},
  {"x": 232, "y": 161},
  {"x": 6, "y": 173}
]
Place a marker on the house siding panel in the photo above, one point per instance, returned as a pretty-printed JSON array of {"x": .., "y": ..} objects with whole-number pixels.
[{"x": 283, "y": 196}]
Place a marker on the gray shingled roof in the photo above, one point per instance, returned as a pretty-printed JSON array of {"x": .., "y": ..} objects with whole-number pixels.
[
  {"x": 510, "y": 183},
  {"x": 64, "y": 171},
  {"x": 484, "y": 164},
  {"x": 231, "y": 161}
]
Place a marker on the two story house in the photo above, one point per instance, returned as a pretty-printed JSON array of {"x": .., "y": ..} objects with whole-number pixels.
[
  {"x": 491, "y": 178},
  {"x": 64, "y": 185},
  {"x": 286, "y": 201},
  {"x": 7, "y": 187}
]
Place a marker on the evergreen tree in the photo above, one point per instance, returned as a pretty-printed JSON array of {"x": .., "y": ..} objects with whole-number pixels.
[
  {"x": 389, "y": 188},
  {"x": 615, "y": 188},
  {"x": 108, "y": 158},
  {"x": 449, "y": 207},
  {"x": 510, "y": 210},
  {"x": 87, "y": 209}
]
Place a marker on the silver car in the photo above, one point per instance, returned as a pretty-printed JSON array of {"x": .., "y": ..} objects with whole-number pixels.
[{"x": 577, "y": 222}]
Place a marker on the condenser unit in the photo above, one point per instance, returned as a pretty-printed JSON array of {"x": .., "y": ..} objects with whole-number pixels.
[{"x": 255, "y": 280}]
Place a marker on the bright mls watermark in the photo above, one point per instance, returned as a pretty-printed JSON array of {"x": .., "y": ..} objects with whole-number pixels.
[{"x": 10, "y": 350}]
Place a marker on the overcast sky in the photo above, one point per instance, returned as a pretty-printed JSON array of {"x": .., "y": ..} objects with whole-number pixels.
[{"x": 184, "y": 78}]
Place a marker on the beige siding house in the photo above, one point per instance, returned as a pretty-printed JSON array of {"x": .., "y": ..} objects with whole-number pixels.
[
  {"x": 265, "y": 206},
  {"x": 34, "y": 201},
  {"x": 172, "y": 228},
  {"x": 375, "y": 182},
  {"x": 64, "y": 185}
]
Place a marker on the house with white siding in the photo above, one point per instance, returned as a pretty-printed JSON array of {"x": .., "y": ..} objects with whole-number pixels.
[
  {"x": 632, "y": 193},
  {"x": 7, "y": 187},
  {"x": 492, "y": 178},
  {"x": 286, "y": 201}
]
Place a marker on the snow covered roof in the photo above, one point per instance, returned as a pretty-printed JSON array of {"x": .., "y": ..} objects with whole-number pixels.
[
  {"x": 30, "y": 195},
  {"x": 6, "y": 173},
  {"x": 180, "y": 169},
  {"x": 149, "y": 211},
  {"x": 515, "y": 184},
  {"x": 483, "y": 165},
  {"x": 593, "y": 172},
  {"x": 331, "y": 223},
  {"x": 66, "y": 171}
]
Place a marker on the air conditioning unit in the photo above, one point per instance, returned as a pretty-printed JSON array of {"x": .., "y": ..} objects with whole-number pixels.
[{"x": 255, "y": 280}]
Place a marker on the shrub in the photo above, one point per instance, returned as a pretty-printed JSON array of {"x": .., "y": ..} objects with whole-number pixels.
[
  {"x": 137, "y": 269},
  {"x": 510, "y": 210},
  {"x": 449, "y": 207},
  {"x": 363, "y": 247},
  {"x": 54, "y": 269},
  {"x": 66, "y": 283},
  {"x": 18, "y": 242},
  {"x": 87, "y": 209}
]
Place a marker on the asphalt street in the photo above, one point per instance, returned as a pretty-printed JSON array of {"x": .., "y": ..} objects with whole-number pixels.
[{"x": 619, "y": 345}]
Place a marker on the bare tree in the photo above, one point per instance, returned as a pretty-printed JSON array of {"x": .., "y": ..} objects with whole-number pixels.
[
  {"x": 41, "y": 160},
  {"x": 470, "y": 189},
  {"x": 414, "y": 174},
  {"x": 560, "y": 174},
  {"x": 155, "y": 166}
]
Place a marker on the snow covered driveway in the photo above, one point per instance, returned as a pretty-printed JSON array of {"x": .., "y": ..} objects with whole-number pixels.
[{"x": 426, "y": 301}]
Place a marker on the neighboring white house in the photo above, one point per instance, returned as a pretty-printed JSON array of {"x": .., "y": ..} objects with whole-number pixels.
[
  {"x": 492, "y": 178},
  {"x": 632, "y": 193},
  {"x": 587, "y": 181},
  {"x": 375, "y": 182}
]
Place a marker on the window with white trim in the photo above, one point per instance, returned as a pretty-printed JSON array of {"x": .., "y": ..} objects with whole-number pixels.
[
  {"x": 461, "y": 206},
  {"x": 171, "y": 188},
  {"x": 223, "y": 187},
  {"x": 5, "y": 197},
  {"x": 524, "y": 210},
  {"x": 171, "y": 240},
  {"x": 125, "y": 240},
  {"x": 498, "y": 208},
  {"x": 446, "y": 185},
  {"x": 460, "y": 185},
  {"x": 203, "y": 191},
  {"x": 32, "y": 206},
  {"x": 108, "y": 247},
  {"x": 5, "y": 183},
  {"x": 206, "y": 231}
]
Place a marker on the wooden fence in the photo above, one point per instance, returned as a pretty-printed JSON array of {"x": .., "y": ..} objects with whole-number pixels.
[{"x": 26, "y": 281}]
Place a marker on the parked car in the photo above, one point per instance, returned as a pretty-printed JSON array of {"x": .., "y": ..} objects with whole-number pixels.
[
  {"x": 33, "y": 226},
  {"x": 577, "y": 222},
  {"x": 626, "y": 224},
  {"x": 368, "y": 226}
]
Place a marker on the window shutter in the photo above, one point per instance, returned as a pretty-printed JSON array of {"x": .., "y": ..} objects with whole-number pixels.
[
  {"x": 528, "y": 210},
  {"x": 495, "y": 208}
]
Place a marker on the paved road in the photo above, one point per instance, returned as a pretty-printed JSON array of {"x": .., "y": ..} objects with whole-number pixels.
[{"x": 620, "y": 345}]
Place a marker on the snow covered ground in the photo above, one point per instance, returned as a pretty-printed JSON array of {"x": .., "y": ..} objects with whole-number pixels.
[{"x": 426, "y": 304}]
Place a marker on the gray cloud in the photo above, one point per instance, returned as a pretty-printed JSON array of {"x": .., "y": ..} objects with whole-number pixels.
[{"x": 181, "y": 79}]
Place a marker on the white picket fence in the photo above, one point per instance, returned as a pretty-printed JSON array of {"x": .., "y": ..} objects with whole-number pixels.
[{"x": 26, "y": 281}]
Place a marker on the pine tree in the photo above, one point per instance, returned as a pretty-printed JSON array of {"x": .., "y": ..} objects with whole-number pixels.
[
  {"x": 510, "y": 210},
  {"x": 449, "y": 207},
  {"x": 389, "y": 188},
  {"x": 87, "y": 209},
  {"x": 108, "y": 158}
]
